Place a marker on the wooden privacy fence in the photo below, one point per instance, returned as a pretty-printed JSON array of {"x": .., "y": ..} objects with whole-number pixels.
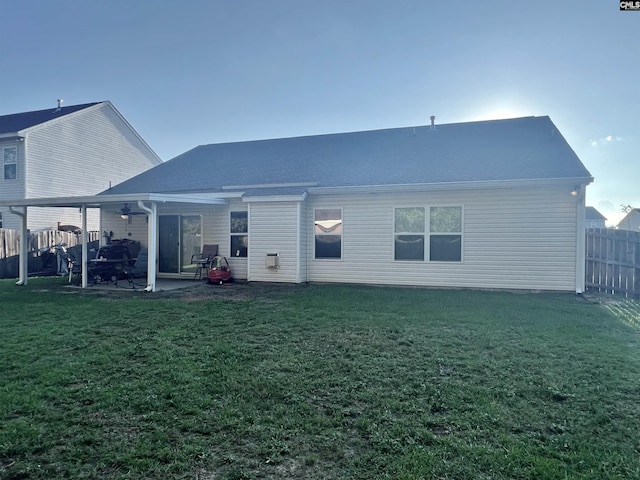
[
  {"x": 10, "y": 247},
  {"x": 613, "y": 261}
]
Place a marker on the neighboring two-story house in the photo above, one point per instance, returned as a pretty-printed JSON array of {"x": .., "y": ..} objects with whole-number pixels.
[{"x": 72, "y": 150}]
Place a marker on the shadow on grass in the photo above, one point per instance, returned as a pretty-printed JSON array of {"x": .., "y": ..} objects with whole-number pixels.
[{"x": 626, "y": 311}]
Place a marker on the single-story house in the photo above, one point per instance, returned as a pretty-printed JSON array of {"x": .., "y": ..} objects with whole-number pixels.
[
  {"x": 66, "y": 150},
  {"x": 491, "y": 204}
]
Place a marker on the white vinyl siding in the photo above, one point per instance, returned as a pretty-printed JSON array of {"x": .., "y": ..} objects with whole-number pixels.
[
  {"x": 135, "y": 227},
  {"x": 512, "y": 238},
  {"x": 274, "y": 228}
]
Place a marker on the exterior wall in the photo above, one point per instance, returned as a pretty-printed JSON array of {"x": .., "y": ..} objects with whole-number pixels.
[
  {"x": 134, "y": 228},
  {"x": 274, "y": 228},
  {"x": 215, "y": 228},
  {"x": 81, "y": 154},
  {"x": 630, "y": 222},
  {"x": 521, "y": 238}
]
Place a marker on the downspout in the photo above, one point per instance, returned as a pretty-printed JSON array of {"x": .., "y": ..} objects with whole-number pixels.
[
  {"x": 152, "y": 235},
  {"x": 23, "y": 259},
  {"x": 580, "y": 240},
  {"x": 298, "y": 240},
  {"x": 249, "y": 249}
]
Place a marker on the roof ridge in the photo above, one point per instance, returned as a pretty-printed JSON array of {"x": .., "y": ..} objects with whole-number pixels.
[{"x": 428, "y": 127}]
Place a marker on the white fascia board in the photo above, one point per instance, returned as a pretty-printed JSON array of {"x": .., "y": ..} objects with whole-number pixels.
[
  {"x": 417, "y": 187},
  {"x": 269, "y": 185},
  {"x": 95, "y": 201},
  {"x": 210, "y": 195},
  {"x": 275, "y": 198},
  {"x": 11, "y": 136}
]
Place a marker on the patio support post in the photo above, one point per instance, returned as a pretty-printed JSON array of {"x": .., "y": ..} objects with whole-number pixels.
[
  {"x": 152, "y": 236},
  {"x": 85, "y": 247},
  {"x": 23, "y": 257}
]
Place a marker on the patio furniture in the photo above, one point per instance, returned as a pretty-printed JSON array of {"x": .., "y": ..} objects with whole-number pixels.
[
  {"x": 139, "y": 268},
  {"x": 202, "y": 260}
]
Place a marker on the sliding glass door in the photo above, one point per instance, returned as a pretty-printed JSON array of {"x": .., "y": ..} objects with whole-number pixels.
[{"x": 179, "y": 237}]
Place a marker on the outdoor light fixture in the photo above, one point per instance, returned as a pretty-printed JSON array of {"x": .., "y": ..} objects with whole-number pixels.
[
  {"x": 575, "y": 191},
  {"x": 124, "y": 212}
]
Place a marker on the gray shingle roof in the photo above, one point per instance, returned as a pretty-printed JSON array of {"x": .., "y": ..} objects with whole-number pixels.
[
  {"x": 514, "y": 149},
  {"x": 591, "y": 213},
  {"x": 16, "y": 122}
]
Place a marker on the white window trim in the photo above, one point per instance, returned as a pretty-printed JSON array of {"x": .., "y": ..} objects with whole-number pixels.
[
  {"x": 238, "y": 234},
  {"x": 15, "y": 162},
  {"x": 427, "y": 234},
  {"x": 423, "y": 233},
  {"x": 313, "y": 230}
]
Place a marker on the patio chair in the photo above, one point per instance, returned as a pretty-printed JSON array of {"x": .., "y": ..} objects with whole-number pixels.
[
  {"x": 74, "y": 257},
  {"x": 202, "y": 260},
  {"x": 139, "y": 268}
]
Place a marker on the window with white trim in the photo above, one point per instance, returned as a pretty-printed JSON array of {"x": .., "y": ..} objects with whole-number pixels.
[
  {"x": 239, "y": 232},
  {"x": 409, "y": 233},
  {"x": 436, "y": 236},
  {"x": 10, "y": 162},
  {"x": 445, "y": 234},
  {"x": 327, "y": 229}
]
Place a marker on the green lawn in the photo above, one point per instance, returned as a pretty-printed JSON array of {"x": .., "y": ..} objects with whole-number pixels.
[{"x": 316, "y": 382}]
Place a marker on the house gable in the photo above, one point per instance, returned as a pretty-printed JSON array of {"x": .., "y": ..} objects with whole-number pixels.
[{"x": 75, "y": 150}]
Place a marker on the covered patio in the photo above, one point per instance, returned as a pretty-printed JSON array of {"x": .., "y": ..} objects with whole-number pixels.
[{"x": 147, "y": 204}]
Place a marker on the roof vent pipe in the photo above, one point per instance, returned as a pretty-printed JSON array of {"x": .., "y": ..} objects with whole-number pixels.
[
  {"x": 433, "y": 122},
  {"x": 59, "y": 104}
]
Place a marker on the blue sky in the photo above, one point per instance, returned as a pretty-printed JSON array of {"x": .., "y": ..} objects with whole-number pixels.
[{"x": 193, "y": 72}]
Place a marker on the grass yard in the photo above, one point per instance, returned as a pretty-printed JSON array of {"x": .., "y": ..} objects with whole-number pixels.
[{"x": 316, "y": 382}]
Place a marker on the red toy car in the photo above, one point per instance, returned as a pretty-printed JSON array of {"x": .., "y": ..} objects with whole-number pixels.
[{"x": 219, "y": 270}]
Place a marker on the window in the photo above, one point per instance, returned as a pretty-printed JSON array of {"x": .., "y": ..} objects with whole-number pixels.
[
  {"x": 327, "y": 228},
  {"x": 409, "y": 233},
  {"x": 10, "y": 162},
  {"x": 444, "y": 234},
  {"x": 239, "y": 234}
]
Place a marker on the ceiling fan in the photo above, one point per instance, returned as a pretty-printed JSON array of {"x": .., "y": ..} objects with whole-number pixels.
[{"x": 125, "y": 212}]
